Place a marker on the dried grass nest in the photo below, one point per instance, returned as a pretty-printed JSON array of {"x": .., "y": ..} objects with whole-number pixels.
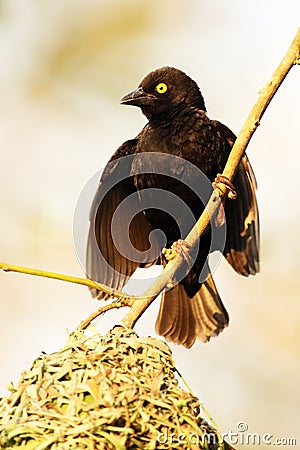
[{"x": 113, "y": 391}]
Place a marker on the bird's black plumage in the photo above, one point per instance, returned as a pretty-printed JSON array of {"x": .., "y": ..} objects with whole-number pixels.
[{"x": 177, "y": 126}]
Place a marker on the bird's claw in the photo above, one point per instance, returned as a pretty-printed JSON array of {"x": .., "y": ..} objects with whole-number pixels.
[
  {"x": 221, "y": 179},
  {"x": 179, "y": 247}
]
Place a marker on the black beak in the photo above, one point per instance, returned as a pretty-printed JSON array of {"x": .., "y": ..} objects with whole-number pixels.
[{"x": 138, "y": 97}]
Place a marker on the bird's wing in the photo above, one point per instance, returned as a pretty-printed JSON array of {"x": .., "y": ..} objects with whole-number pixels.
[
  {"x": 242, "y": 219},
  {"x": 118, "y": 237},
  {"x": 242, "y": 241}
]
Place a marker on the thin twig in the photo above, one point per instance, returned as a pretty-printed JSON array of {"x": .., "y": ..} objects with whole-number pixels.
[
  {"x": 237, "y": 152},
  {"x": 57, "y": 276},
  {"x": 120, "y": 303}
]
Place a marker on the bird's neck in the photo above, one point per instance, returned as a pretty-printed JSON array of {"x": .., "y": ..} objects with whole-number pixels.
[
  {"x": 177, "y": 117},
  {"x": 160, "y": 117}
]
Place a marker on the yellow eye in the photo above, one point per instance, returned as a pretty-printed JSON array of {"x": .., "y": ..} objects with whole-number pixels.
[{"x": 161, "y": 88}]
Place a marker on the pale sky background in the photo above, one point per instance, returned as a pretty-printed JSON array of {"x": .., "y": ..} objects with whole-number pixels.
[{"x": 64, "y": 67}]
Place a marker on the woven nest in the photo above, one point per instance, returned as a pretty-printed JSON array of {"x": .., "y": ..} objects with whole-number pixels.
[{"x": 115, "y": 391}]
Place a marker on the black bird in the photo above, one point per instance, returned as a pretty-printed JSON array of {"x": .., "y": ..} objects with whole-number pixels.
[{"x": 177, "y": 126}]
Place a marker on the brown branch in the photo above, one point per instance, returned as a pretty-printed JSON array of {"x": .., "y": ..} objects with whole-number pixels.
[{"x": 266, "y": 94}]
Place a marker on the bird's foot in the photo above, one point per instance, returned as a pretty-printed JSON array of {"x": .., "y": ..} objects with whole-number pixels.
[
  {"x": 220, "y": 179},
  {"x": 179, "y": 247}
]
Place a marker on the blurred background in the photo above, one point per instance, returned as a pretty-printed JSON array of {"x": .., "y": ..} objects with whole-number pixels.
[{"x": 64, "y": 67}]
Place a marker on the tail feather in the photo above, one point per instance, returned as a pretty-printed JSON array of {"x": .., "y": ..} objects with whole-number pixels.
[
  {"x": 166, "y": 320},
  {"x": 179, "y": 330},
  {"x": 182, "y": 319},
  {"x": 183, "y": 335}
]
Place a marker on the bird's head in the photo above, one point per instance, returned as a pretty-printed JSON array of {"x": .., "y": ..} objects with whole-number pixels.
[{"x": 164, "y": 92}]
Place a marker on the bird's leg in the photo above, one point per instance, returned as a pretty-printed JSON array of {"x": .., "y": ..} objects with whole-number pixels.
[
  {"x": 220, "y": 179},
  {"x": 179, "y": 247}
]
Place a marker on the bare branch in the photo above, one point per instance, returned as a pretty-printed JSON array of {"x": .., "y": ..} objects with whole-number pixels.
[
  {"x": 120, "y": 303},
  {"x": 57, "y": 276}
]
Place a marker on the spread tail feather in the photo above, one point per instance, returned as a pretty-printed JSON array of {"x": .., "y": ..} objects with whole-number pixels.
[{"x": 182, "y": 319}]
